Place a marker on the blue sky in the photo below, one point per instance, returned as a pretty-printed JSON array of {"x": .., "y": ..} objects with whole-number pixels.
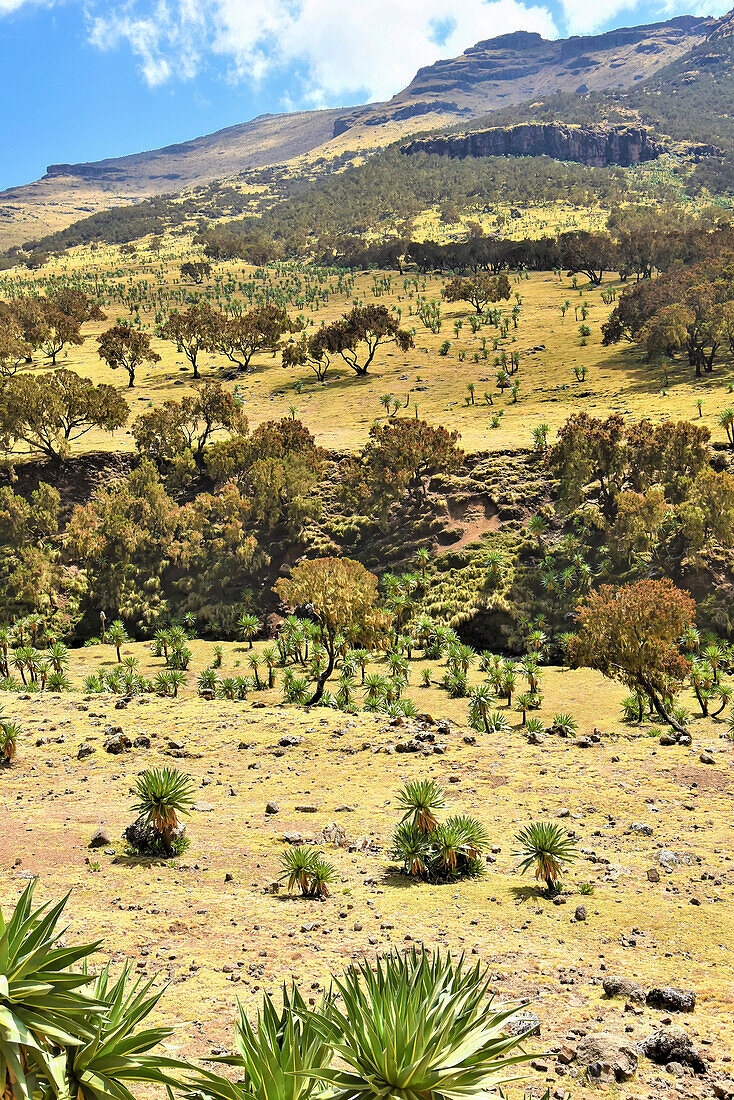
[{"x": 87, "y": 79}]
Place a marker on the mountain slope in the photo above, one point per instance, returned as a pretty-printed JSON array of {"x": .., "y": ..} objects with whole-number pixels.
[{"x": 511, "y": 69}]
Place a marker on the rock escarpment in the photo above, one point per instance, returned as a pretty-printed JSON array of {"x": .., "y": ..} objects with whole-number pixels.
[{"x": 596, "y": 146}]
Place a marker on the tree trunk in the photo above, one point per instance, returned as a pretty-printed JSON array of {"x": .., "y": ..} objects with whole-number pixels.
[
  {"x": 321, "y": 682},
  {"x": 662, "y": 712}
]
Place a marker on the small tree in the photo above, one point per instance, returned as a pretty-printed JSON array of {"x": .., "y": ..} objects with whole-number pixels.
[
  {"x": 192, "y": 331},
  {"x": 632, "y": 634},
  {"x": 49, "y": 413},
  {"x": 364, "y": 326},
  {"x": 479, "y": 290},
  {"x": 261, "y": 329},
  {"x": 546, "y": 847},
  {"x": 404, "y": 453},
  {"x": 196, "y": 270},
  {"x": 164, "y": 433},
  {"x": 123, "y": 346},
  {"x": 61, "y": 329},
  {"x": 340, "y": 594}
]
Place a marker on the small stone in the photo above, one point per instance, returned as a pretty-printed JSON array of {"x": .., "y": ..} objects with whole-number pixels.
[
  {"x": 100, "y": 838},
  {"x": 523, "y": 1023},
  {"x": 706, "y": 758},
  {"x": 84, "y": 751},
  {"x": 117, "y": 742},
  {"x": 581, "y": 913},
  {"x": 653, "y": 875},
  {"x": 307, "y": 809},
  {"x": 272, "y": 808}
]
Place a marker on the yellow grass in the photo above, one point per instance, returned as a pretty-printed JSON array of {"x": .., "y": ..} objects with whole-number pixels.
[
  {"x": 341, "y": 411},
  {"x": 184, "y": 922}
]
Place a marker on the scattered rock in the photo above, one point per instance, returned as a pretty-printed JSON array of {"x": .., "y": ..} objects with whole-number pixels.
[
  {"x": 85, "y": 750},
  {"x": 307, "y": 809},
  {"x": 117, "y": 742},
  {"x": 615, "y": 986},
  {"x": 141, "y": 742},
  {"x": 272, "y": 808},
  {"x": 672, "y": 1000},
  {"x": 100, "y": 838},
  {"x": 653, "y": 875},
  {"x": 667, "y": 859},
  {"x": 672, "y": 1044},
  {"x": 523, "y": 1023},
  {"x": 289, "y": 741},
  {"x": 706, "y": 758},
  {"x": 667, "y": 739},
  {"x": 641, "y": 828},
  {"x": 581, "y": 913},
  {"x": 607, "y": 1057}
]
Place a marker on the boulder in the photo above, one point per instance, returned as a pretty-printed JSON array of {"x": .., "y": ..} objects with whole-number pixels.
[
  {"x": 607, "y": 1057},
  {"x": 117, "y": 742},
  {"x": 669, "y": 999},
  {"x": 615, "y": 986},
  {"x": 672, "y": 1044}
]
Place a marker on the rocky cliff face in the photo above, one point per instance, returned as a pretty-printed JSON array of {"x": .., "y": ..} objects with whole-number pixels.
[{"x": 596, "y": 146}]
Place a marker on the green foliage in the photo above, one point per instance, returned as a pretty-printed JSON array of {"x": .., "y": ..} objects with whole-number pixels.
[
  {"x": 416, "y": 1026},
  {"x": 276, "y": 1057},
  {"x": 431, "y": 850},
  {"x": 163, "y": 795},
  {"x": 10, "y": 736},
  {"x": 546, "y": 847},
  {"x": 306, "y": 869},
  {"x": 421, "y": 799}
]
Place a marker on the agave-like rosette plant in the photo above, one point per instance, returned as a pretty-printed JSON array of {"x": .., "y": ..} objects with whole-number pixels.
[
  {"x": 296, "y": 866},
  {"x": 118, "y": 1055},
  {"x": 44, "y": 1004},
  {"x": 413, "y": 848},
  {"x": 163, "y": 794},
  {"x": 417, "y": 1027},
  {"x": 471, "y": 835},
  {"x": 420, "y": 799},
  {"x": 277, "y": 1057},
  {"x": 10, "y": 735}
]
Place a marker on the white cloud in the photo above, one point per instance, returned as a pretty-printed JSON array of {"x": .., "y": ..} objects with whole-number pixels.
[
  {"x": 8, "y": 6},
  {"x": 581, "y": 17},
  {"x": 337, "y": 47}
]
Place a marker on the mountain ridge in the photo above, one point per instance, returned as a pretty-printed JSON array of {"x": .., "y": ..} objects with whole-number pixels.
[{"x": 511, "y": 69}]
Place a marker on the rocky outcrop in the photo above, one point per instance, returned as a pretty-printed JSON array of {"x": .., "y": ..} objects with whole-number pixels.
[{"x": 597, "y": 146}]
